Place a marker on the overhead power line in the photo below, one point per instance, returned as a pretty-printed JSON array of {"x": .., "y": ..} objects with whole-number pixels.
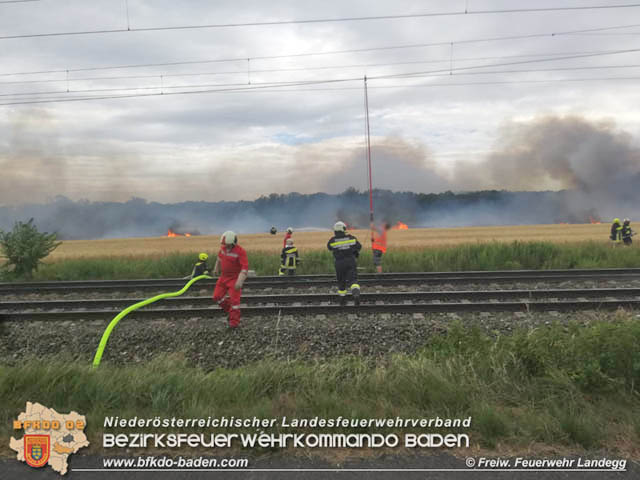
[
  {"x": 323, "y": 20},
  {"x": 522, "y": 62},
  {"x": 408, "y": 75},
  {"x": 448, "y": 72},
  {"x": 278, "y": 88},
  {"x": 209, "y": 85},
  {"x": 296, "y": 69},
  {"x": 330, "y": 52}
]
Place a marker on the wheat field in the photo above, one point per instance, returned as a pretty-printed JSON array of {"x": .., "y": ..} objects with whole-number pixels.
[{"x": 415, "y": 238}]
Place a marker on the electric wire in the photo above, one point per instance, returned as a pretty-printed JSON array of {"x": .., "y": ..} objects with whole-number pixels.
[
  {"x": 293, "y": 69},
  {"x": 322, "y": 20},
  {"x": 169, "y": 87},
  {"x": 331, "y": 52},
  {"x": 377, "y": 77},
  {"x": 277, "y": 89}
]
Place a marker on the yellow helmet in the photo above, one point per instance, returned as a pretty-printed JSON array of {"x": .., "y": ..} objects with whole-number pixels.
[
  {"x": 616, "y": 220},
  {"x": 203, "y": 256}
]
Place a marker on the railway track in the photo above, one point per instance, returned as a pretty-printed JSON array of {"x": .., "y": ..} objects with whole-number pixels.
[
  {"x": 561, "y": 300},
  {"x": 309, "y": 281}
]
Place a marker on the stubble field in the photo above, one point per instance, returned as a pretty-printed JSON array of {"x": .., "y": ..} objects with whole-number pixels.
[{"x": 416, "y": 238}]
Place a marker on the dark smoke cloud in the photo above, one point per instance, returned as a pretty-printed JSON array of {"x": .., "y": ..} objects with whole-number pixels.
[
  {"x": 595, "y": 159},
  {"x": 597, "y": 164}
]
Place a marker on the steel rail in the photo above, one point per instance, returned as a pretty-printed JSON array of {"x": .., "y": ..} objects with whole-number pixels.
[
  {"x": 324, "y": 281},
  {"x": 526, "y": 307},
  {"x": 324, "y": 298},
  {"x": 287, "y": 279}
]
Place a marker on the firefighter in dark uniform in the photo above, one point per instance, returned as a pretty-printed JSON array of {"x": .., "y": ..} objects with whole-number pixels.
[
  {"x": 273, "y": 230},
  {"x": 616, "y": 232},
  {"x": 627, "y": 233},
  {"x": 290, "y": 259},
  {"x": 345, "y": 249},
  {"x": 201, "y": 267}
]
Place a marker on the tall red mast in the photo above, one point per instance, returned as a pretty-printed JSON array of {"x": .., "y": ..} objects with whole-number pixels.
[{"x": 368, "y": 135}]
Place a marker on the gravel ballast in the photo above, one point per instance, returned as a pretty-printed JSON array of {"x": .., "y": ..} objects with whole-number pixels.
[{"x": 209, "y": 343}]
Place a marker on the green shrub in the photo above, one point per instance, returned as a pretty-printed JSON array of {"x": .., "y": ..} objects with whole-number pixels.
[{"x": 25, "y": 247}]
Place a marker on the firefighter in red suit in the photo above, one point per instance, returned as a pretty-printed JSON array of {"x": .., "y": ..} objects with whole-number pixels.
[
  {"x": 287, "y": 236},
  {"x": 232, "y": 260}
]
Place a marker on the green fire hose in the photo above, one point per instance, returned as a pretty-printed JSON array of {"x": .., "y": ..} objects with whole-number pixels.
[{"x": 126, "y": 311}]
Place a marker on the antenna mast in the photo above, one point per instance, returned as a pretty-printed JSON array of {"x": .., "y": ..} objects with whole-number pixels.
[{"x": 368, "y": 136}]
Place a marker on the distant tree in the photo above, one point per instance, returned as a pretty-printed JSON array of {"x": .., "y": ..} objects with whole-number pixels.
[{"x": 24, "y": 248}]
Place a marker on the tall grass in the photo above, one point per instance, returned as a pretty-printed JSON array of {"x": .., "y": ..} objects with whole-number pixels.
[
  {"x": 573, "y": 386},
  {"x": 480, "y": 256}
]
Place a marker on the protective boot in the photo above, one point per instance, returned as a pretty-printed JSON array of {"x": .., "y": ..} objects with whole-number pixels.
[
  {"x": 356, "y": 296},
  {"x": 234, "y": 317},
  {"x": 355, "y": 293}
]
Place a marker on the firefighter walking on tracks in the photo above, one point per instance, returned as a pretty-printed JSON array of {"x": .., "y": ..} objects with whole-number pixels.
[
  {"x": 290, "y": 259},
  {"x": 233, "y": 267},
  {"x": 345, "y": 249}
]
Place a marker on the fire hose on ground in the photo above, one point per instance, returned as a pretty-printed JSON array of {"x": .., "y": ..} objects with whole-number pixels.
[{"x": 135, "y": 306}]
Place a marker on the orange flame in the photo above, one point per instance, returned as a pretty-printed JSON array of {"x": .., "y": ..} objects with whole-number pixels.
[
  {"x": 594, "y": 221},
  {"x": 171, "y": 233},
  {"x": 400, "y": 226}
]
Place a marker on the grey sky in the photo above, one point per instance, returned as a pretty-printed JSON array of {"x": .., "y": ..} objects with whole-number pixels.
[{"x": 428, "y": 134}]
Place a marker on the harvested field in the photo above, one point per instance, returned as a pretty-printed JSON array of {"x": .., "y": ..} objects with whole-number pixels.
[{"x": 398, "y": 239}]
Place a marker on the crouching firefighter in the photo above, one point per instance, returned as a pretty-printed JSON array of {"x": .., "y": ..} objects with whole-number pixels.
[
  {"x": 616, "y": 232},
  {"x": 201, "y": 267},
  {"x": 233, "y": 267},
  {"x": 345, "y": 249},
  {"x": 290, "y": 259}
]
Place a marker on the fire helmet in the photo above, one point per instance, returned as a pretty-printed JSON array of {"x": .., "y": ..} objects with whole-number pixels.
[
  {"x": 229, "y": 238},
  {"x": 203, "y": 256},
  {"x": 616, "y": 220},
  {"x": 289, "y": 241},
  {"x": 289, "y": 230},
  {"x": 339, "y": 227}
]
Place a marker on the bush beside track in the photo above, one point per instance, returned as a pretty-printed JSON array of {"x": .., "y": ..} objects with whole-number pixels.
[{"x": 562, "y": 388}]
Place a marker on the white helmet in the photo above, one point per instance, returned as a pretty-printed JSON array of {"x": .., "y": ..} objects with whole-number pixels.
[
  {"x": 290, "y": 230},
  {"x": 229, "y": 238},
  {"x": 339, "y": 227}
]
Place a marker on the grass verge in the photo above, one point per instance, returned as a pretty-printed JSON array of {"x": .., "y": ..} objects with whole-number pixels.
[
  {"x": 570, "y": 387},
  {"x": 479, "y": 256}
]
